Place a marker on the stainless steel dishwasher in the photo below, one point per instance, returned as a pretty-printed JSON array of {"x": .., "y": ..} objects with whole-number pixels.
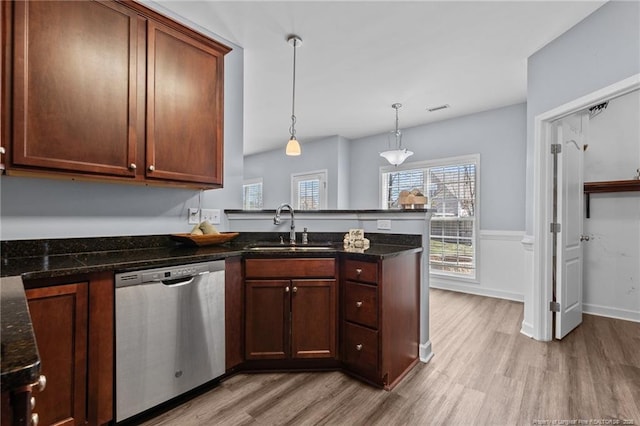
[{"x": 170, "y": 334}]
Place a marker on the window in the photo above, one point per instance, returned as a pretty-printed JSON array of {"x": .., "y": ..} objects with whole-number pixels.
[
  {"x": 309, "y": 190},
  {"x": 252, "y": 194},
  {"x": 451, "y": 188}
]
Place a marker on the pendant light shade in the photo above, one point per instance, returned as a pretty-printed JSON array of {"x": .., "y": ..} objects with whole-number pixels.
[
  {"x": 396, "y": 154},
  {"x": 293, "y": 146}
]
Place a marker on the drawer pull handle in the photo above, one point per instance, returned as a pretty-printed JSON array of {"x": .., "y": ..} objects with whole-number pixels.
[
  {"x": 286, "y": 289},
  {"x": 358, "y": 271},
  {"x": 132, "y": 166},
  {"x": 152, "y": 168},
  {"x": 295, "y": 289},
  {"x": 358, "y": 304},
  {"x": 32, "y": 402},
  {"x": 358, "y": 347},
  {"x": 35, "y": 419}
]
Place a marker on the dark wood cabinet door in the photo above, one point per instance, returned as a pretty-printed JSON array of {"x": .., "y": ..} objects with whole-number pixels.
[
  {"x": 60, "y": 319},
  {"x": 184, "y": 107},
  {"x": 313, "y": 318},
  {"x": 267, "y": 319},
  {"x": 74, "y": 87}
]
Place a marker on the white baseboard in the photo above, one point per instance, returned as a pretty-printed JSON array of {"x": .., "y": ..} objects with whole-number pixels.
[
  {"x": 473, "y": 289},
  {"x": 604, "y": 311},
  {"x": 527, "y": 329},
  {"x": 425, "y": 352}
]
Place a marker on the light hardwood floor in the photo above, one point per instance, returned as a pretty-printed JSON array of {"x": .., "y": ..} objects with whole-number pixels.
[{"x": 484, "y": 372}]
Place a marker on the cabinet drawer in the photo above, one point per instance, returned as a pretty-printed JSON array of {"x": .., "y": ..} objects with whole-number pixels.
[
  {"x": 361, "y": 348},
  {"x": 290, "y": 268},
  {"x": 357, "y": 270},
  {"x": 361, "y": 304}
]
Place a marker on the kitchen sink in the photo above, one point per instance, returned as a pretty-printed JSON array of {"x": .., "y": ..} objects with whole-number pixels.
[{"x": 289, "y": 247}]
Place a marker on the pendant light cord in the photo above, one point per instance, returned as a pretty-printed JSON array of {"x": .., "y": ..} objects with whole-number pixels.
[{"x": 292, "y": 129}]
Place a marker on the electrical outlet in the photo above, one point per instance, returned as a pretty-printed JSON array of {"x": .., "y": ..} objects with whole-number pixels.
[
  {"x": 194, "y": 216},
  {"x": 384, "y": 224},
  {"x": 212, "y": 215}
]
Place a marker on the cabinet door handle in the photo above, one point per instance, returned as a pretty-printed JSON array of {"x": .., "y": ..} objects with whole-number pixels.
[
  {"x": 2, "y": 151},
  {"x": 152, "y": 168},
  {"x": 358, "y": 304},
  {"x": 132, "y": 166},
  {"x": 286, "y": 289},
  {"x": 295, "y": 289},
  {"x": 358, "y": 347},
  {"x": 32, "y": 402},
  {"x": 358, "y": 271},
  {"x": 41, "y": 383},
  {"x": 35, "y": 419}
]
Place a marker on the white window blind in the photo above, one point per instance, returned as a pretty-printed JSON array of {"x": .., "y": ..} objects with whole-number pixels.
[
  {"x": 309, "y": 191},
  {"x": 450, "y": 185},
  {"x": 252, "y": 195}
]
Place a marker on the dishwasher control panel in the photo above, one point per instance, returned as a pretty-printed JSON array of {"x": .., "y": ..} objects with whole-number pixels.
[{"x": 167, "y": 273}]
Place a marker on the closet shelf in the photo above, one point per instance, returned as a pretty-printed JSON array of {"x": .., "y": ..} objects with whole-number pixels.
[{"x": 608, "y": 186}]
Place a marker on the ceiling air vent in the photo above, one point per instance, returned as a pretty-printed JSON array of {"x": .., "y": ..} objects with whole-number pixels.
[{"x": 438, "y": 108}]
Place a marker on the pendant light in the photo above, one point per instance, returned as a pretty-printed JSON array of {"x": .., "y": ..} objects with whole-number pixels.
[
  {"x": 293, "y": 146},
  {"x": 398, "y": 155}
]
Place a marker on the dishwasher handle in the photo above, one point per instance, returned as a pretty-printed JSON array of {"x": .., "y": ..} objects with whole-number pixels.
[{"x": 177, "y": 282}]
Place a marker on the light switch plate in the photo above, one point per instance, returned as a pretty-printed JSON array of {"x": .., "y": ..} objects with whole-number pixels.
[
  {"x": 212, "y": 215},
  {"x": 384, "y": 224},
  {"x": 194, "y": 216}
]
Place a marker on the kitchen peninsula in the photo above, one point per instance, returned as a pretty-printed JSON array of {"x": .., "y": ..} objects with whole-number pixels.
[{"x": 360, "y": 341}]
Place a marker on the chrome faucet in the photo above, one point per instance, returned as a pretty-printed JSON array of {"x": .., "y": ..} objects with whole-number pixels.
[{"x": 276, "y": 221}]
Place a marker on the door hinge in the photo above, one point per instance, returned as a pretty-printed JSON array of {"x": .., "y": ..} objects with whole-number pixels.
[
  {"x": 556, "y": 148},
  {"x": 555, "y": 228},
  {"x": 554, "y": 306}
]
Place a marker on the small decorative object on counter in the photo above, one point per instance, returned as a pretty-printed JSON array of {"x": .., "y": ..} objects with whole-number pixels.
[
  {"x": 637, "y": 176},
  {"x": 354, "y": 240},
  {"x": 305, "y": 237}
]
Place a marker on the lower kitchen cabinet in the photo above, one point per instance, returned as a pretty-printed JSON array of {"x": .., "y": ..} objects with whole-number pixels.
[
  {"x": 73, "y": 325},
  {"x": 380, "y": 317},
  {"x": 290, "y": 308}
]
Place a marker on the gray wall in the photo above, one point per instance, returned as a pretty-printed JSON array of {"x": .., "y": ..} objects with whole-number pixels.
[
  {"x": 275, "y": 169},
  {"x": 601, "y": 50},
  {"x": 49, "y": 208},
  {"x": 497, "y": 135}
]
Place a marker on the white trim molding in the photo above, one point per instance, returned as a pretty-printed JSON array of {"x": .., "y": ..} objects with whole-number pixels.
[
  {"x": 605, "y": 311},
  {"x": 501, "y": 268},
  {"x": 425, "y": 352}
]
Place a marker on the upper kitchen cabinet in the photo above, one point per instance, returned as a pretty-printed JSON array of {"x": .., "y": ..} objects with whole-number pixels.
[
  {"x": 111, "y": 91},
  {"x": 74, "y": 87},
  {"x": 184, "y": 107}
]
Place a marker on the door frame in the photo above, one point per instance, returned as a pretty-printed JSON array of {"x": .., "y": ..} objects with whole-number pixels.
[{"x": 543, "y": 192}]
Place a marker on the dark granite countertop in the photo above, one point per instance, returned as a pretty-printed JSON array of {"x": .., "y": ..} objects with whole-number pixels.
[
  {"x": 20, "y": 359},
  {"x": 342, "y": 211},
  {"x": 34, "y": 259}
]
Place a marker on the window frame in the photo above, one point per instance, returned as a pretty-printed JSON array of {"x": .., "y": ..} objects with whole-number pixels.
[
  {"x": 322, "y": 190},
  {"x": 437, "y": 163},
  {"x": 254, "y": 181}
]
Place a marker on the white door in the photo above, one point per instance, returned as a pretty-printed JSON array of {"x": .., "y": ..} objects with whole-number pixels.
[{"x": 571, "y": 135}]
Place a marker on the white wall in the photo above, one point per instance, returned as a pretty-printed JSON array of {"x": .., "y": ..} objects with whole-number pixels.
[
  {"x": 48, "y": 208},
  {"x": 498, "y": 135},
  {"x": 611, "y": 283},
  {"x": 275, "y": 169}
]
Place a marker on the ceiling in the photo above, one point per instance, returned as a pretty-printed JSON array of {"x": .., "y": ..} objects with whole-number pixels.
[{"x": 358, "y": 58}]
